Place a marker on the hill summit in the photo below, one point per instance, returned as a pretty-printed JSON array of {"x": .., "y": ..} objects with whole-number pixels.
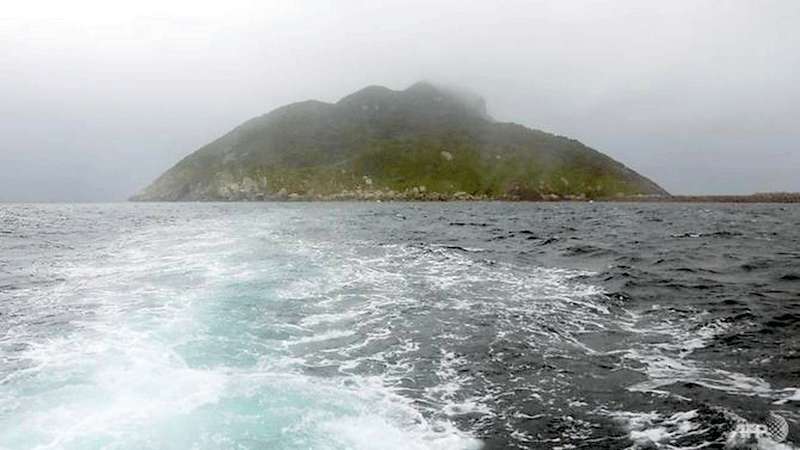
[{"x": 427, "y": 142}]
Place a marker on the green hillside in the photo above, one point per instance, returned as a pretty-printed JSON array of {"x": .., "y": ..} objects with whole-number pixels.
[{"x": 426, "y": 142}]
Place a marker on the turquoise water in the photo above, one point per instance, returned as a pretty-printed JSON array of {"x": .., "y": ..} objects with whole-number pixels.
[{"x": 200, "y": 334}]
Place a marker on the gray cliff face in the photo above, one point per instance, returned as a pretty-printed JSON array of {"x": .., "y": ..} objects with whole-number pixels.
[{"x": 396, "y": 139}]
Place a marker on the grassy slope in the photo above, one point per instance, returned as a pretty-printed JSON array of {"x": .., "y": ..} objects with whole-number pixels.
[{"x": 400, "y": 140}]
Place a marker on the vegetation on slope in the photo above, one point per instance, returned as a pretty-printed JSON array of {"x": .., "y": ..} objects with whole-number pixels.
[{"x": 424, "y": 142}]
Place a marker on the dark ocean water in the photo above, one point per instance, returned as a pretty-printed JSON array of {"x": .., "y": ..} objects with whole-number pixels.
[{"x": 397, "y": 326}]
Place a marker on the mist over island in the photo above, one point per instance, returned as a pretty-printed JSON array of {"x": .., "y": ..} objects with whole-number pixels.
[{"x": 427, "y": 142}]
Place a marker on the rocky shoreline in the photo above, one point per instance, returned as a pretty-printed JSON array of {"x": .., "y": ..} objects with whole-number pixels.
[{"x": 422, "y": 195}]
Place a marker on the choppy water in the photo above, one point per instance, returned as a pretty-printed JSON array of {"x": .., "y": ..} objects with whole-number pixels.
[{"x": 396, "y": 326}]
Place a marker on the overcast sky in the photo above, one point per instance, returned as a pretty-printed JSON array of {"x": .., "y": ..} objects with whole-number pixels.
[{"x": 99, "y": 97}]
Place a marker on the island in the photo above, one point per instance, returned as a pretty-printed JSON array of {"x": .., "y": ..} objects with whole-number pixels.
[{"x": 427, "y": 142}]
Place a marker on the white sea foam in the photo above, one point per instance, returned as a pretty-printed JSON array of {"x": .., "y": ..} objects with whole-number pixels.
[
  {"x": 653, "y": 429},
  {"x": 325, "y": 336},
  {"x": 163, "y": 357},
  {"x": 668, "y": 360}
]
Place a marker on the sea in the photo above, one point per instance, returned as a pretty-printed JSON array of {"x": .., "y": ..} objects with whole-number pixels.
[{"x": 458, "y": 325}]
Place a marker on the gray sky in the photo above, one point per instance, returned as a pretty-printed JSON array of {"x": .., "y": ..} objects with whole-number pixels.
[{"x": 99, "y": 97}]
